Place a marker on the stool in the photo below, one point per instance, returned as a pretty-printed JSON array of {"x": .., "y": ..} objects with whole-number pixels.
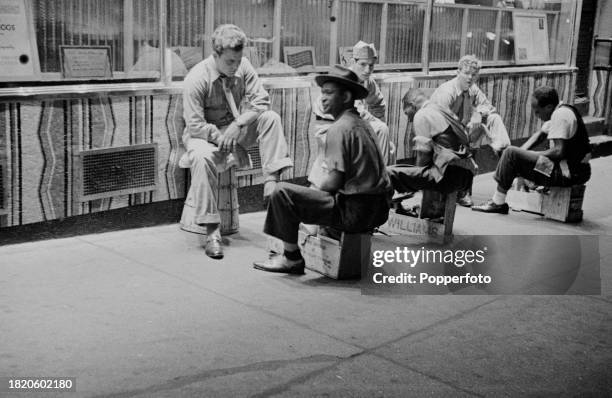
[
  {"x": 435, "y": 219},
  {"x": 336, "y": 259},
  {"x": 227, "y": 204},
  {"x": 559, "y": 203}
]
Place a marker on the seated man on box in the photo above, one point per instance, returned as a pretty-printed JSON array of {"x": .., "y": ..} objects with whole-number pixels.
[
  {"x": 463, "y": 97},
  {"x": 217, "y": 132},
  {"x": 565, "y": 163},
  {"x": 350, "y": 187},
  {"x": 371, "y": 108},
  {"x": 443, "y": 159}
]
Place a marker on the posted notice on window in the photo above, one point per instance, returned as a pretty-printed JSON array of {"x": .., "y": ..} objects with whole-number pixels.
[
  {"x": 17, "y": 57},
  {"x": 531, "y": 38}
]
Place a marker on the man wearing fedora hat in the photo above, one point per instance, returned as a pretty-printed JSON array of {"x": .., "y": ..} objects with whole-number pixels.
[
  {"x": 350, "y": 189},
  {"x": 372, "y": 107}
]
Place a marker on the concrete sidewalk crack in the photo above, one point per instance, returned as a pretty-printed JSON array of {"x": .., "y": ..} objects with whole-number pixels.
[{"x": 183, "y": 381}]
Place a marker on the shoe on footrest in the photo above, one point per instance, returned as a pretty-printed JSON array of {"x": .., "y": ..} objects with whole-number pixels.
[
  {"x": 279, "y": 263},
  {"x": 400, "y": 196},
  {"x": 465, "y": 201},
  {"x": 491, "y": 207}
]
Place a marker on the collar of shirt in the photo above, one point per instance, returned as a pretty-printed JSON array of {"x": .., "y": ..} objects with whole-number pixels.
[
  {"x": 214, "y": 74},
  {"x": 458, "y": 91}
]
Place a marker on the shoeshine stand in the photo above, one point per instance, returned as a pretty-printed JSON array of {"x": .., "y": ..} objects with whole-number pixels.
[
  {"x": 336, "y": 259},
  {"x": 559, "y": 203},
  {"x": 435, "y": 220},
  {"x": 227, "y": 204}
]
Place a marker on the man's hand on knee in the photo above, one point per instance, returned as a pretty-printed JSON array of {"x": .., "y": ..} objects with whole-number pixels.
[{"x": 229, "y": 139}]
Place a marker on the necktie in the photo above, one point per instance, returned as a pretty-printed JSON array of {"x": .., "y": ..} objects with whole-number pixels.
[
  {"x": 466, "y": 108},
  {"x": 241, "y": 155}
]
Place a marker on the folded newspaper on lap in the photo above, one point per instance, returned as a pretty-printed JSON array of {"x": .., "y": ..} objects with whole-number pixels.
[{"x": 544, "y": 165}]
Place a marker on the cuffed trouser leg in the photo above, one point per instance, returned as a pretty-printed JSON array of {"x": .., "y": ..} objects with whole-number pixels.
[
  {"x": 202, "y": 195},
  {"x": 382, "y": 135},
  {"x": 406, "y": 178},
  {"x": 291, "y": 204},
  {"x": 267, "y": 130},
  {"x": 498, "y": 134},
  {"x": 517, "y": 162}
]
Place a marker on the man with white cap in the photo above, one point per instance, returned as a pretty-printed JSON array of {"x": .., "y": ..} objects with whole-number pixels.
[
  {"x": 371, "y": 108},
  {"x": 350, "y": 188}
]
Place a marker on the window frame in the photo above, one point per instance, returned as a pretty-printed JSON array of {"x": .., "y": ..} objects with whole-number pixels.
[{"x": 163, "y": 75}]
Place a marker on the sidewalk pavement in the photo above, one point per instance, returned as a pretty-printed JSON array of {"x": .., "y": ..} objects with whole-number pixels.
[{"x": 144, "y": 313}]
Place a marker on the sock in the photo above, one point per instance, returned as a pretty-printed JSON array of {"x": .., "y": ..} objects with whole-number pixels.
[
  {"x": 293, "y": 256},
  {"x": 499, "y": 198}
]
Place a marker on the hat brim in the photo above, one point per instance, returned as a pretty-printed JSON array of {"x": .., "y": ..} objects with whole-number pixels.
[{"x": 357, "y": 89}]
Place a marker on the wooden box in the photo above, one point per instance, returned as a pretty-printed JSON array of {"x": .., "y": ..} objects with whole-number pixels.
[
  {"x": 227, "y": 204},
  {"x": 435, "y": 219},
  {"x": 559, "y": 203},
  {"x": 337, "y": 259}
]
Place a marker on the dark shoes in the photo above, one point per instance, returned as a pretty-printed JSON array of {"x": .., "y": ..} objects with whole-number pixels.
[
  {"x": 279, "y": 263},
  {"x": 465, "y": 201},
  {"x": 490, "y": 207},
  {"x": 214, "y": 247}
]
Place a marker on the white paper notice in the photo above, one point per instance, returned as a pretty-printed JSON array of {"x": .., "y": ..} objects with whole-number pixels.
[{"x": 16, "y": 58}]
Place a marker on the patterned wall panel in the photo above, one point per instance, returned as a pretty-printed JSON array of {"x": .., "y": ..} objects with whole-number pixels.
[
  {"x": 40, "y": 140},
  {"x": 601, "y": 94}
]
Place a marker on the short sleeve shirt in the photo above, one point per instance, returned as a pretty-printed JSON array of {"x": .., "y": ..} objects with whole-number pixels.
[
  {"x": 562, "y": 125},
  {"x": 350, "y": 148}
]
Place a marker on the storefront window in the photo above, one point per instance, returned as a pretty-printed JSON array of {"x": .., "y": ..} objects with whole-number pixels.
[
  {"x": 128, "y": 28},
  {"x": 256, "y": 19},
  {"x": 405, "y": 40},
  {"x": 293, "y": 36},
  {"x": 305, "y": 23},
  {"x": 501, "y": 32}
]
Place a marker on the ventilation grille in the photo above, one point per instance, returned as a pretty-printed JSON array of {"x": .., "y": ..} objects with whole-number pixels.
[
  {"x": 253, "y": 152},
  {"x": 118, "y": 171}
]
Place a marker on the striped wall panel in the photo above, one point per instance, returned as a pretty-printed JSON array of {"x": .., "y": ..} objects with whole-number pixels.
[
  {"x": 40, "y": 140},
  {"x": 601, "y": 94}
]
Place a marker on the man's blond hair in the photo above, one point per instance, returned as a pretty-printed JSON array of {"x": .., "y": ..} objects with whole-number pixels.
[
  {"x": 228, "y": 37},
  {"x": 469, "y": 62}
]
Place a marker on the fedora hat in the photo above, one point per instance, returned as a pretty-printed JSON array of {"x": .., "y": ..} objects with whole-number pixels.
[{"x": 345, "y": 77}]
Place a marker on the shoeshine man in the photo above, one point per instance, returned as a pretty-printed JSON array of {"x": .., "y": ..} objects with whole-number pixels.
[
  {"x": 443, "y": 159},
  {"x": 564, "y": 163},
  {"x": 226, "y": 109},
  {"x": 350, "y": 188}
]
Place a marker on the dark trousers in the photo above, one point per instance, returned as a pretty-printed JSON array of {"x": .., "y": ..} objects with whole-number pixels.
[
  {"x": 517, "y": 162},
  {"x": 406, "y": 178},
  {"x": 291, "y": 204}
]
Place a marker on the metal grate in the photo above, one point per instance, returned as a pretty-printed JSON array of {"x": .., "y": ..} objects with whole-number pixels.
[
  {"x": 255, "y": 157},
  {"x": 118, "y": 171}
]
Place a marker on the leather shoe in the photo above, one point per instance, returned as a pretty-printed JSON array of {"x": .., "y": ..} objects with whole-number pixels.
[
  {"x": 491, "y": 207},
  {"x": 465, "y": 201},
  {"x": 214, "y": 248},
  {"x": 278, "y": 263}
]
